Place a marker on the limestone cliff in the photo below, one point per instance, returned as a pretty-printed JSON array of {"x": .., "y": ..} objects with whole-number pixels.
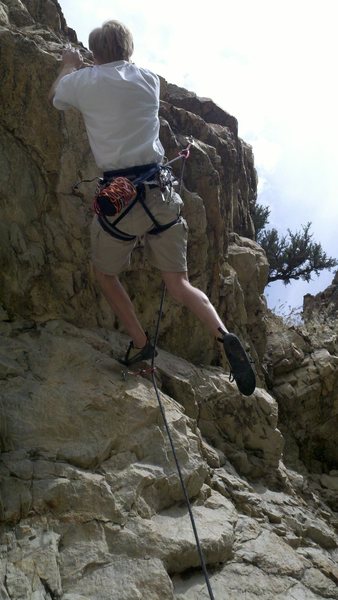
[{"x": 91, "y": 506}]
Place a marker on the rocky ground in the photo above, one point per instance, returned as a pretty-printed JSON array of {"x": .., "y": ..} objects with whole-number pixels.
[{"x": 91, "y": 504}]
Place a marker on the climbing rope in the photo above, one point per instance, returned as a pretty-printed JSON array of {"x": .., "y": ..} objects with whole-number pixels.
[
  {"x": 183, "y": 154},
  {"x": 185, "y": 492}
]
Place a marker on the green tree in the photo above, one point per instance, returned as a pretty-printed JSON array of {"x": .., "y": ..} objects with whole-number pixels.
[
  {"x": 260, "y": 217},
  {"x": 293, "y": 256}
]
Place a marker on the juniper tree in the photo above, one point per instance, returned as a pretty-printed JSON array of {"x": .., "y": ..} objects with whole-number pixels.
[{"x": 293, "y": 256}]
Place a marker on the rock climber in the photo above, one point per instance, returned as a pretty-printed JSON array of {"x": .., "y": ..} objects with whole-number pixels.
[{"x": 119, "y": 102}]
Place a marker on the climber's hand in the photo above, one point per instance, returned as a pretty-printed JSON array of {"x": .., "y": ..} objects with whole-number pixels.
[{"x": 71, "y": 58}]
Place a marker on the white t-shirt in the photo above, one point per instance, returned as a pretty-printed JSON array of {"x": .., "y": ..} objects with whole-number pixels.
[{"x": 119, "y": 103}]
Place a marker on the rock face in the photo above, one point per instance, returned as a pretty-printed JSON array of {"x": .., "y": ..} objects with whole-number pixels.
[
  {"x": 324, "y": 305},
  {"x": 45, "y": 252},
  {"x": 91, "y": 505}
]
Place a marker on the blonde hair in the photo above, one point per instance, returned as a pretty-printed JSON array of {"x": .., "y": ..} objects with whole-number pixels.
[{"x": 113, "y": 41}]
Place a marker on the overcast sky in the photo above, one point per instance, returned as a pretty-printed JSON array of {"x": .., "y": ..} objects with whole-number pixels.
[{"x": 273, "y": 65}]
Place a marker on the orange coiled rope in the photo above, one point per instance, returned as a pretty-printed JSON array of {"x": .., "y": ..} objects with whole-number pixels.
[{"x": 119, "y": 193}]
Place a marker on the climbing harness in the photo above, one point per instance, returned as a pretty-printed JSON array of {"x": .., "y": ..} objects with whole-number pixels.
[
  {"x": 123, "y": 188},
  {"x": 120, "y": 190}
]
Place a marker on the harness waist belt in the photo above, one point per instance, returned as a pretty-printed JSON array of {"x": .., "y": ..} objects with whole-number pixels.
[{"x": 137, "y": 170}]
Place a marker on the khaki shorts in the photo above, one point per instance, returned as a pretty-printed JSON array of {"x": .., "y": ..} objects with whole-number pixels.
[{"x": 167, "y": 251}]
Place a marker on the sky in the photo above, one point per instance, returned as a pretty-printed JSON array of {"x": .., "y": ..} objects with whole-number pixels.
[{"x": 273, "y": 65}]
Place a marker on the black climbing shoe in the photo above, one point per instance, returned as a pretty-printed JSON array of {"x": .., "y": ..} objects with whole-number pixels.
[
  {"x": 135, "y": 355},
  {"x": 240, "y": 365}
]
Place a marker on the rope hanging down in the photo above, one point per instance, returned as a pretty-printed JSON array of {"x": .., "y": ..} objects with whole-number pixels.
[
  {"x": 185, "y": 492},
  {"x": 183, "y": 154}
]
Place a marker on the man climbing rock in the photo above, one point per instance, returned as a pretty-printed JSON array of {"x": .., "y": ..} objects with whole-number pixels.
[{"x": 119, "y": 102}]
